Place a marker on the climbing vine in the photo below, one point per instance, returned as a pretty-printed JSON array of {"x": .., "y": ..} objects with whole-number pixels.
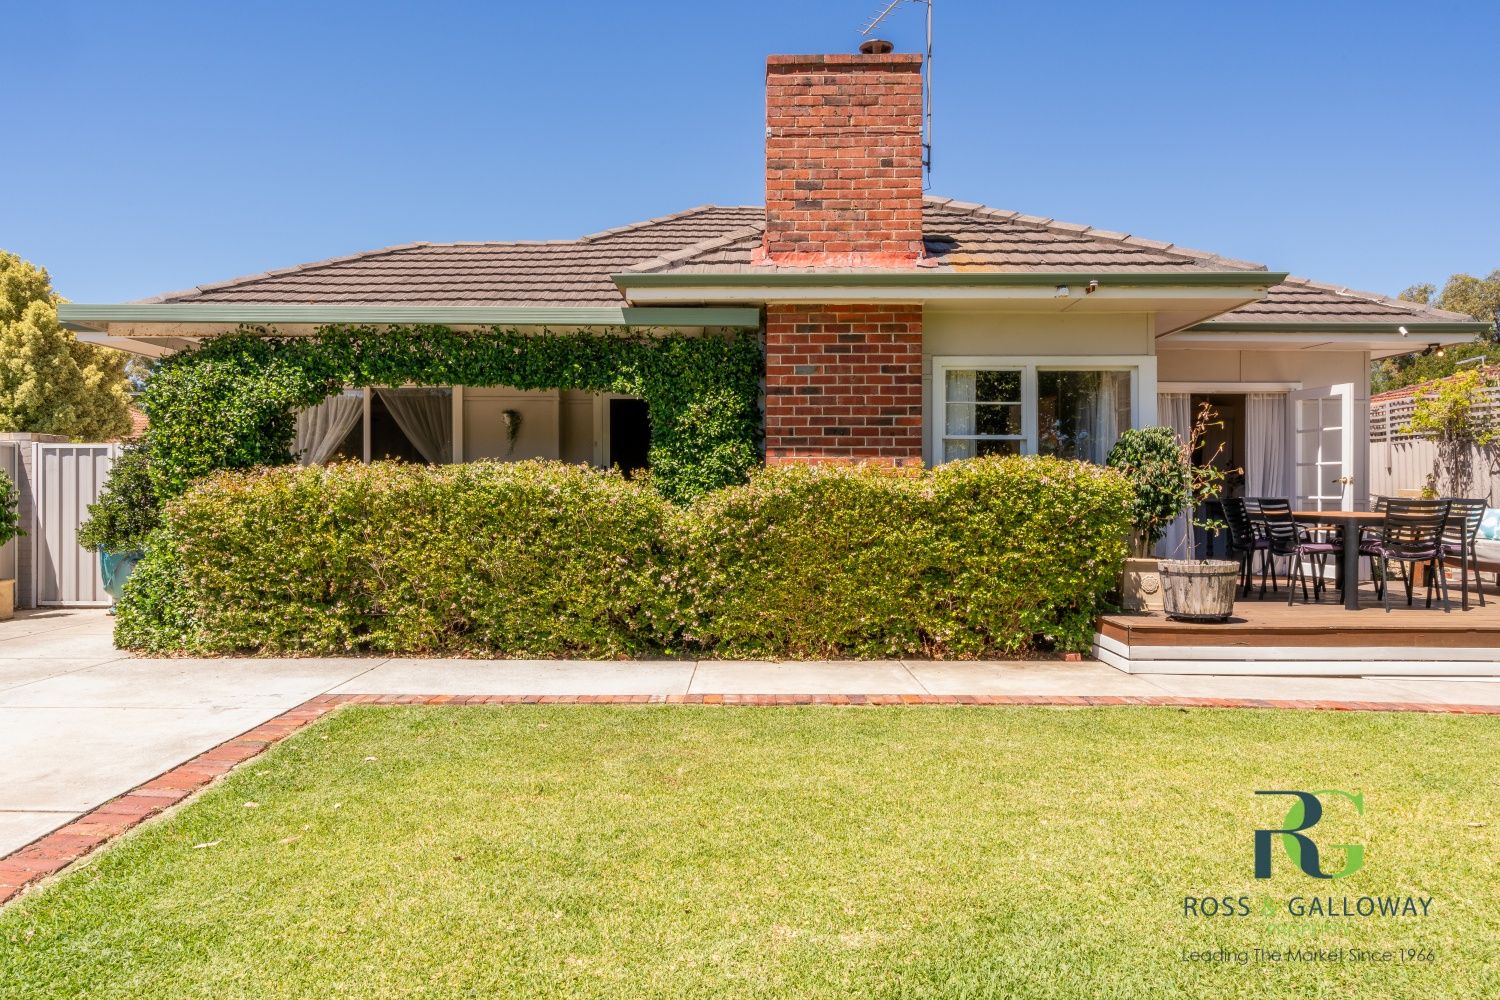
[{"x": 231, "y": 404}]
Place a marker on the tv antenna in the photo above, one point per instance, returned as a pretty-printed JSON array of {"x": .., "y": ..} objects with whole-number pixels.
[{"x": 926, "y": 77}]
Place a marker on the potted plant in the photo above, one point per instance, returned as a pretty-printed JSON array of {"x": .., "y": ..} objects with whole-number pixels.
[
  {"x": 1153, "y": 459},
  {"x": 1200, "y": 590},
  {"x": 10, "y": 527},
  {"x": 126, "y": 512}
]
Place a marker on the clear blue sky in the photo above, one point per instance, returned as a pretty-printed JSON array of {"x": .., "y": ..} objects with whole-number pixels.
[{"x": 155, "y": 146}]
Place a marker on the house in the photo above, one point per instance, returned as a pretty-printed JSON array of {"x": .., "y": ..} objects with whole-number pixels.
[{"x": 898, "y": 327}]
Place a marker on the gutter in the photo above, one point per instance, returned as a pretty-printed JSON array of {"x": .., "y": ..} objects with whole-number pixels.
[{"x": 96, "y": 317}]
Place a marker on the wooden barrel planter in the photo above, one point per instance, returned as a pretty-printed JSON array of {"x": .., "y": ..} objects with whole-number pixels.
[{"x": 1199, "y": 590}]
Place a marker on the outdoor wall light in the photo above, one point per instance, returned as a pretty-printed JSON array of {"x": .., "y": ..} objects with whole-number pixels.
[
  {"x": 1092, "y": 288},
  {"x": 1401, "y": 330}
]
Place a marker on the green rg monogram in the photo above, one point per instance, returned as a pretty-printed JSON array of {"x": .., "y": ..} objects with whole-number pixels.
[{"x": 1305, "y": 813}]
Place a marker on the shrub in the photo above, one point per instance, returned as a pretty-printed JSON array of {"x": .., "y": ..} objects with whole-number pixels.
[
  {"x": 127, "y": 509},
  {"x": 992, "y": 556},
  {"x": 974, "y": 558},
  {"x": 10, "y": 524},
  {"x": 807, "y": 561},
  {"x": 524, "y": 558},
  {"x": 1152, "y": 458}
]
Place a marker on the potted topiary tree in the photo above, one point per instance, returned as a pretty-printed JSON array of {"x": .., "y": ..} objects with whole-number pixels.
[
  {"x": 1152, "y": 458},
  {"x": 126, "y": 512},
  {"x": 10, "y": 527}
]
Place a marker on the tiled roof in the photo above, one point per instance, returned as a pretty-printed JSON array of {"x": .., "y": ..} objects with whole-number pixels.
[
  {"x": 960, "y": 236},
  {"x": 1301, "y": 300},
  {"x": 561, "y": 272}
]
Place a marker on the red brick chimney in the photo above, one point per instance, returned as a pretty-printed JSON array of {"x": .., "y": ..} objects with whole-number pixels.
[{"x": 843, "y": 160}]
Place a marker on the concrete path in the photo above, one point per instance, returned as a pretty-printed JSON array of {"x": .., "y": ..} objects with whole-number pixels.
[{"x": 81, "y": 722}]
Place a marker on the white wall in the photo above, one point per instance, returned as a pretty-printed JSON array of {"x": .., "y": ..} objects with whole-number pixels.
[
  {"x": 554, "y": 424},
  {"x": 485, "y": 434}
]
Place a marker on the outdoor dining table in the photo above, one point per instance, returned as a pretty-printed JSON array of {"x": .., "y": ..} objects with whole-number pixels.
[{"x": 1351, "y": 521}]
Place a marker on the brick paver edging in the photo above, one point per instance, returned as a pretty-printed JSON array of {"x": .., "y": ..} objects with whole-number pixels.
[{"x": 55, "y": 851}]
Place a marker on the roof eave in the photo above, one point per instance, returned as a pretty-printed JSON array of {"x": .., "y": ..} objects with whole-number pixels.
[
  {"x": 1413, "y": 326},
  {"x": 774, "y": 278}
]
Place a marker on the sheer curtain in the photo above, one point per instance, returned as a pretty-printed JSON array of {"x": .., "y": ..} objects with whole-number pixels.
[
  {"x": 1175, "y": 410},
  {"x": 961, "y": 389},
  {"x": 1108, "y": 416},
  {"x": 321, "y": 428},
  {"x": 1265, "y": 444},
  {"x": 425, "y": 416}
]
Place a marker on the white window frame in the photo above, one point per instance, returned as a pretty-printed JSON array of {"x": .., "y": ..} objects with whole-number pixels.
[{"x": 1142, "y": 369}]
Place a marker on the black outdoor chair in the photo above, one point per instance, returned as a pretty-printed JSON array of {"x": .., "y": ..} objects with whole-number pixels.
[
  {"x": 1287, "y": 538},
  {"x": 1244, "y": 542},
  {"x": 1369, "y": 545},
  {"x": 1413, "y": 533},
  {"x": 1460, "y": 533},
  {"x": 1253, "y": 508}
]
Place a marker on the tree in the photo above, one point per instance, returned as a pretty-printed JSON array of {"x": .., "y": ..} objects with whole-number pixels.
[
  {"x": 1454, "y": 415},
  {"x": 1479, "y": 297},
  {"x": 50, "y": 383}
]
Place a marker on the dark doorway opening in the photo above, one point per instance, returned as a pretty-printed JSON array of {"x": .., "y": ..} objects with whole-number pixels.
[
  {"x": 629, "y": 434},
  {"x": 1224, "y": 445}
]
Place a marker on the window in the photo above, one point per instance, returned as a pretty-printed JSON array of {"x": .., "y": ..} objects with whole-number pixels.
[
  {"x": 1080, "y": 414},
  {"x": 982, "y": 413},
  {"x": 1064, "y": 409}
]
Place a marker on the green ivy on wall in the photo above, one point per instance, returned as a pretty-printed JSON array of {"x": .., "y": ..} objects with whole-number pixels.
[{"x": 231, "y": 404}]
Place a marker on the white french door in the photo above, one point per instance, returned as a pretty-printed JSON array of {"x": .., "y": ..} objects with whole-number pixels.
[{"x": 1322, "y": 422}]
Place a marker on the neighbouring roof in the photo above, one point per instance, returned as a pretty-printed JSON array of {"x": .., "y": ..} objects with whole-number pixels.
[
  {"x": 1490, "y": 373},
  {"x": 960, "y": 237}
]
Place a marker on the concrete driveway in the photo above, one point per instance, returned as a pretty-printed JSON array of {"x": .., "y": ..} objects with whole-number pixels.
[{"x": 81, "y": 722}]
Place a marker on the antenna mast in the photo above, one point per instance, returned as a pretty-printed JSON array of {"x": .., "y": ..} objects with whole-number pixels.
[{"x": 926, "y": 78}]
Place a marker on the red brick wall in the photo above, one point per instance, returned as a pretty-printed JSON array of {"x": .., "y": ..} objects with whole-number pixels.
[
  {"x": 844, "y": 160},
  {"x": 844, "y": 383}
]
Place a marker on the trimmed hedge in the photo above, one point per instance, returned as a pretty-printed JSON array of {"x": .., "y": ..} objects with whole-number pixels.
[{"x": 996, "y": 556}]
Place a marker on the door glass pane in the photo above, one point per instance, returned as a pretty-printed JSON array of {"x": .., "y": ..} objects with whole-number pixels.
[{"x": 1080, "y": 414}]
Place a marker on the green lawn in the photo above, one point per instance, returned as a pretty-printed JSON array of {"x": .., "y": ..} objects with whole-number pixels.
[{"x": 618, "y": 852}]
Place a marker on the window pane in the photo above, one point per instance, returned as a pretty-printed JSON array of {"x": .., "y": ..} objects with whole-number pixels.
[
  {"x": 961, "y": 419},
  {"x": 1080, "y": 414},
  {"x": 997, "y": 418},
  {"x": 956, "y": 449},
  {"x": 999, "y": 387},
  {"x": 999, "y": 447}
]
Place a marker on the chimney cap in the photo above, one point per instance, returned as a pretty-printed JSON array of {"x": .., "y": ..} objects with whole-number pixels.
[{"x": 876, "y": 47}]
